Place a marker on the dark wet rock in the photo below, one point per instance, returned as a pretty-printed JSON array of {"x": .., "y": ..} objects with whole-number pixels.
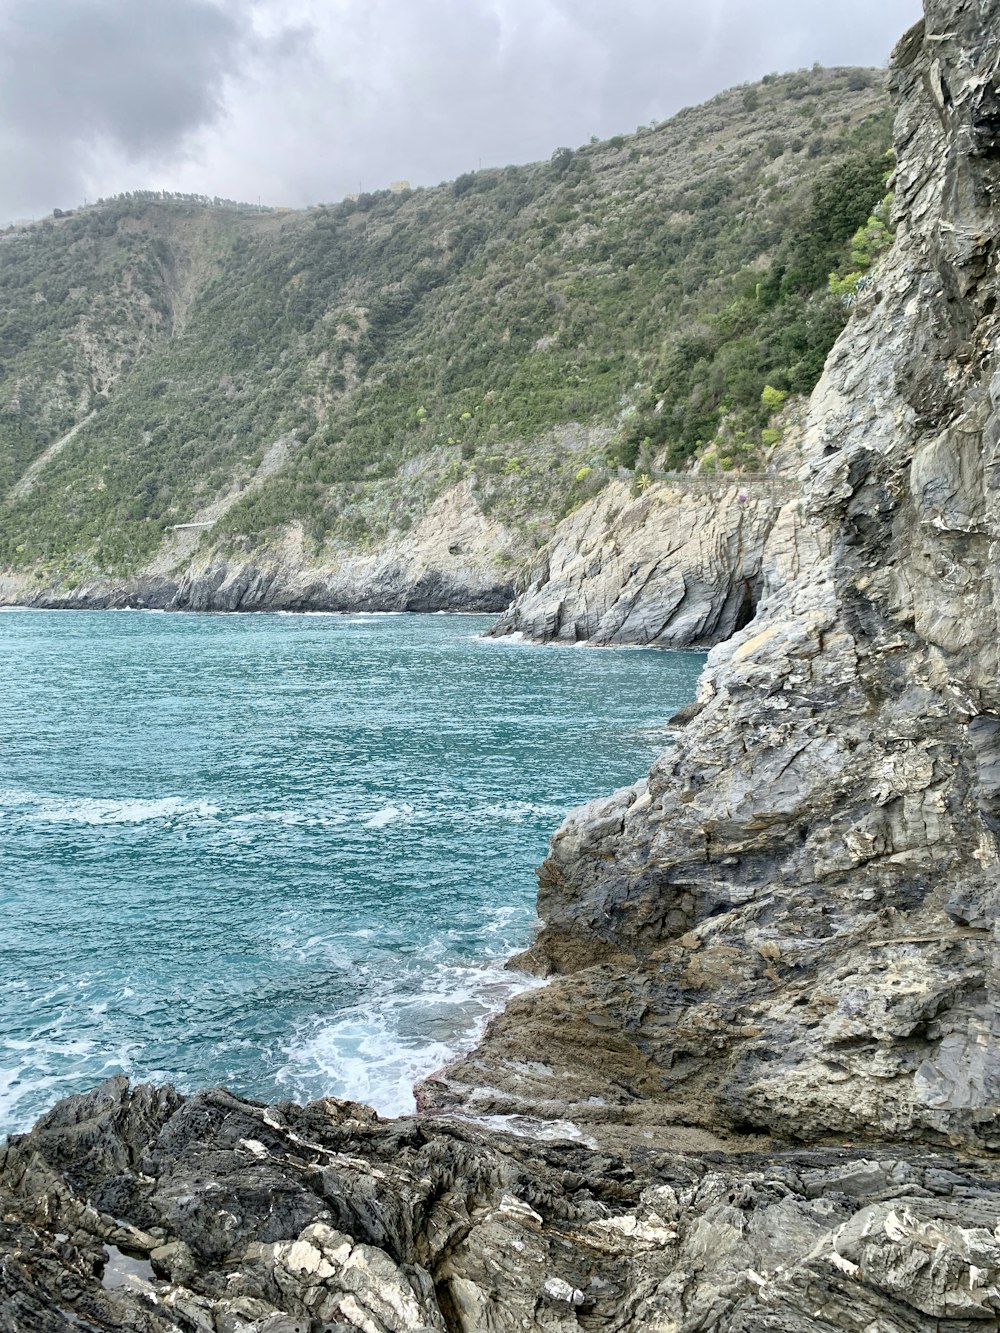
[{"x": 243, "y": 1218}]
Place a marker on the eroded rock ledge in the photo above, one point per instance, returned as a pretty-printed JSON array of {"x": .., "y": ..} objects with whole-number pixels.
[
  {"x": 792, "y": 926},
  {"x": 216, "y": 1215},
  {"x": 678, "y": 566}
]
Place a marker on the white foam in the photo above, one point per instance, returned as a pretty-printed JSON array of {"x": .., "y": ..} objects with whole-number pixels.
[
  {"x": 389, "y": 814},
  {"x": 376, "y": 1051},
  {"x": 95, "y": 810},
  {"x": 17, "y": 1088},
  {"x": 514, "y": 640},
  {"x": 37, "y": 1072}
]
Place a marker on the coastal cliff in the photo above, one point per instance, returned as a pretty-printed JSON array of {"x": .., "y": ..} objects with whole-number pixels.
[
  {"x": 790, "y": 927},
  {"x": 760, "y": 1090},
  {"x": 677, "y": 566},
  {"x": 454, "y": 559}
]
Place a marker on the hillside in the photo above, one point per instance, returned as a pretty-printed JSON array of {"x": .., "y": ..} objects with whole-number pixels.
[{"x": 313, "y": 384}]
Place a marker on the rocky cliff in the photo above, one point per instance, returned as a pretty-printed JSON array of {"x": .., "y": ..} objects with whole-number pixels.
[
  {"x": 791, "y": 927},
  {"x": 677, "y": 566},
  {"x": 454, "y": 559},
  {"x": 774, "y": 964}
]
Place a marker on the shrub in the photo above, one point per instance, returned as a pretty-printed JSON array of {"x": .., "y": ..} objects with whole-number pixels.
[{"x": 772, "y": 399}]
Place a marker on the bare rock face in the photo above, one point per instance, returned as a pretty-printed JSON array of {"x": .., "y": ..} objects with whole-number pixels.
[
  {"x": 678, "y": 566},
  {"x": 455, "y": 559},
  {"x": 135, "y": 1209},
  {"x": 792, "y": 927}
]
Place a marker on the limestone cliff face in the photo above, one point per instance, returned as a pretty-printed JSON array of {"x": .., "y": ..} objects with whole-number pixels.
[
  {"x": 678, "y": 566},
  {"x": 792, "y": 927},
  {"x": 455, "y": 559}
]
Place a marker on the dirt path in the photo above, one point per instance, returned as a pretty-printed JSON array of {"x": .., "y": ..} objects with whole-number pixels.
[{"x": 180, "y": 544}]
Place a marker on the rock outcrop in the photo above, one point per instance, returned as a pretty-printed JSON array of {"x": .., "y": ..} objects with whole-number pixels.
[
  {"x": 792, "y": 927},
  {"x": 455, "y": 559},
  {"x": 139, "y": 1210},
  {"x": 678, "y": 566}
]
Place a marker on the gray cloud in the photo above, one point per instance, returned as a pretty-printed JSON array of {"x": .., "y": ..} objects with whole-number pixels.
[
  {"x": 81, "y": 78},
  {"x": 300, "y": 100}
]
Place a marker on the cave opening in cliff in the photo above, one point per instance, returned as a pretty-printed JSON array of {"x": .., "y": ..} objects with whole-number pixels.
[{"x": 748, "y": 606}]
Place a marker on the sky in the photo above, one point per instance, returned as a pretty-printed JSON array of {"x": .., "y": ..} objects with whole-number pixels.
[{"x": 295, "y": 102}]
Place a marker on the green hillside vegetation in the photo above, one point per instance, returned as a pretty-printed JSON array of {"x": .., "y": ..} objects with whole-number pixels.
[{"x": 530, "y": 329}]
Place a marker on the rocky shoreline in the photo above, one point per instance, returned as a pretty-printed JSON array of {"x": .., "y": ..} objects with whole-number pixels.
[
  {"x": 142, "y": 1210},
  {"x": 456, "y": 559},
  {"x": 677, "y": 566},
  {"x": 791, "y": 926},
  {"x": 774, "y": 965}
]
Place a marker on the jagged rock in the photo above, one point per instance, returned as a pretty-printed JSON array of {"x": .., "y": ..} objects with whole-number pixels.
[
  {"x": 678, "y": 566},
  {"x": 288, "y": 1219},
  {"x": 792, "y": 927}
]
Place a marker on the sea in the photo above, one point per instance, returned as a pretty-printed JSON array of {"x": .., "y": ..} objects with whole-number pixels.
[{"x": 288, "y": 854}]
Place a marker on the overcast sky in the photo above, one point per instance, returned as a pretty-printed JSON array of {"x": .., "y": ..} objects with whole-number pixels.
[{"x": 300, "y": 101}]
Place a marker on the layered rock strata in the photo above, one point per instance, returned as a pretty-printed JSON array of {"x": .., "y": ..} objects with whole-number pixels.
[
  {"x": 792, "y": 926},
  {"x": 678, "y": 566},
  {"x": 139, "y": 1210}
]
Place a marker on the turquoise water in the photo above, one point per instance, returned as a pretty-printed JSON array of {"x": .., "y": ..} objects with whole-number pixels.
[{"x": 285, "y": 853}]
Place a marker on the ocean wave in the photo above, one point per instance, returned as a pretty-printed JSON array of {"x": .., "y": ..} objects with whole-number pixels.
[
  {"x": 306, "y": 817},
  {"x": 34, "y": 808},
  {"x": 103, "y": 810},
  {"x": 37, "y": 1072},
  {"x": 389, "y": 814},
  {"x": 376, "y": 1052}
]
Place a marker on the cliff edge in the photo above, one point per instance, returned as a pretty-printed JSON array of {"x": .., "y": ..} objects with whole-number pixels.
[{"x": 791, "y": 927}]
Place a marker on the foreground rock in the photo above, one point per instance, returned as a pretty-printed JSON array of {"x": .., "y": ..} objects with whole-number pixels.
[
  {"x": 793, "y": 925},
  {"x": 140, "y": 1210},
  {"x": 679, "y": 566}
]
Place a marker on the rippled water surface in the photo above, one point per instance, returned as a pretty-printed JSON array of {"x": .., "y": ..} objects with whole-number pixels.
[{"x": 286, "y": 853}]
